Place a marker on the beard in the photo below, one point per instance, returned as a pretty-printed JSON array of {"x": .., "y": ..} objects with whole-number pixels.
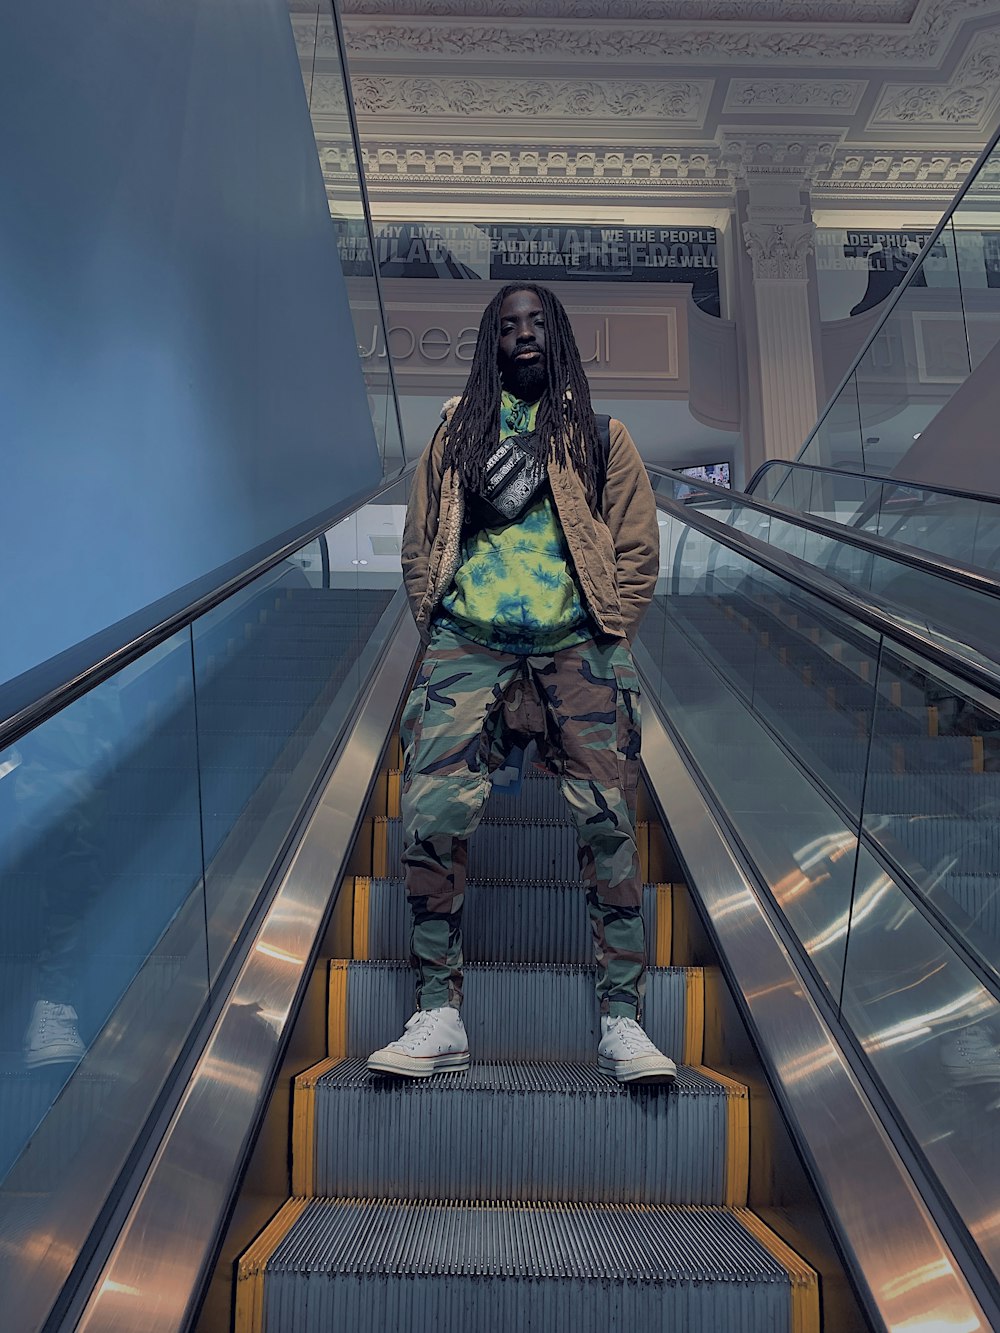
[{"x": 525, "y": 381}]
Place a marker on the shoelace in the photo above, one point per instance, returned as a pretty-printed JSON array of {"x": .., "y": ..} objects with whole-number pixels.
[
  {"x": 630, "y": 1033},
  {"x": 419, "y": 1026}
]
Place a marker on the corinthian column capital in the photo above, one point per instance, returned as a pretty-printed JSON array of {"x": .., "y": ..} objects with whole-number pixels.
[{"x": 779, "y": 249}]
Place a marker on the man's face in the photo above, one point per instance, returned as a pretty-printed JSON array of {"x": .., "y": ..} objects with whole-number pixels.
[{"x": 521, "y": 354}]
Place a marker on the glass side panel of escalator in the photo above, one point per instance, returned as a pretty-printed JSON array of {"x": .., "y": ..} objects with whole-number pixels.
[
  {"x": 138, "y": 828},
  {"x": 953, "y": 614},
  {"x": 959, "y": 528},
  {"x": 860, "y": 781}
]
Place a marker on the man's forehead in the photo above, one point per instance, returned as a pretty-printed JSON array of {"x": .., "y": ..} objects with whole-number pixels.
[{"x": 520, "y": 302}]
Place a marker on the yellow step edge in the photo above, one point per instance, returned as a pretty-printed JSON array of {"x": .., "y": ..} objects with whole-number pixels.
[
  {"x": 362, "y": 902},
  {"x": 304, "y": 1127},
  {"x": 978, "y": 755},
  {"x": 642, "y": 843},
  {"x": 737, "y": 1137},
  {"x": 394, "y": 789},
  {"x": 694, "y": 1016},
  {"x": 380, "y": 847},
  {"x": 336, "y": 1010},
  {"x": 253, "y": 1262},
  {"x": 664, "y": 925},
  {"x": 803, "y": 1280}
]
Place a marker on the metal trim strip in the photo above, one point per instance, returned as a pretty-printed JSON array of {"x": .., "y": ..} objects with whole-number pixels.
[
  {"x": 894, "y": 1247},
  {"x": 152, "y": 1279}
]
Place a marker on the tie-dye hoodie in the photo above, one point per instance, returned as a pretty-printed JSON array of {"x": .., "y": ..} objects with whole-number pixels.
[{"x": 514, "y": 589}]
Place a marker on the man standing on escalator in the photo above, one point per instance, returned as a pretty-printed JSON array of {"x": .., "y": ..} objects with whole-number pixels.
[{"x": 529, "y": 556}]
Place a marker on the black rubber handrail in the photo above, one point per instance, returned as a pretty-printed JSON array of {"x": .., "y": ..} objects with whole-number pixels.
[
  {"x": 876, "y": 477},
  {"x": 805, "y": 576},
  {"x": 39, "y": 694},
  {"x": 898, "y": 552}
]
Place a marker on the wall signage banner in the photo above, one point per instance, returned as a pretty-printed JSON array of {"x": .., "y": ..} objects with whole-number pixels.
[
  {"x": 885, "y": 257},
  {"x": 506, "y": 252}
]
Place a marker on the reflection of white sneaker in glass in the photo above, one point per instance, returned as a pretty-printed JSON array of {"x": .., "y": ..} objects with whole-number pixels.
[
  {"x": 627, "y": 1054},
  {"x": 971, "y": 1056},
  {"x": 52, "y": 1037},
  {"x": 433, "y": 1040}
]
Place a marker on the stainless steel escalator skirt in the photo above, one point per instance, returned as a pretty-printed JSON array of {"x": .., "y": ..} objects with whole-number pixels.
[
  {"x": 152, "y": 1278},
  {"x": 895, "y": 1248}
]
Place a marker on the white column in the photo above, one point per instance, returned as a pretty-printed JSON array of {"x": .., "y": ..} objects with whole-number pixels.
[{"x": 779, "y": 242}]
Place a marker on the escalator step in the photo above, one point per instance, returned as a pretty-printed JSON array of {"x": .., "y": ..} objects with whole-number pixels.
[
  {"x": 514, "y": 1011},
  {"x": 371, "y": 1263},
  {"x": 532, "y": 1132},
  {"x": 965, "y": 846},
  {"x": 501, "y": 922},
  {"x": 973, "y": 795},
  {"x": 505, "y": 849}
]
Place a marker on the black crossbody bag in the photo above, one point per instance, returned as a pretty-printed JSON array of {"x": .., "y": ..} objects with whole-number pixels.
[{"x": 513, "y": 477}]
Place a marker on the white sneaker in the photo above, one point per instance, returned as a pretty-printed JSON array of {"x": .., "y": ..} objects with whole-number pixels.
[
  {"x": 627, "y": 1054},
  {"x": 971, "y": 1056},
  {"x": 52, "y": 1037},
  {"x": 433, "y": 1040}
]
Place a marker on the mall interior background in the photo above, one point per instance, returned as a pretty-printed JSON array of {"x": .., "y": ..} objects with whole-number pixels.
[{"x": 724, "y": 194}]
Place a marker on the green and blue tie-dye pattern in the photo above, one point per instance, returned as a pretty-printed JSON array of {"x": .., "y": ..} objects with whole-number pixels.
[{"x": 514, "y": 590}]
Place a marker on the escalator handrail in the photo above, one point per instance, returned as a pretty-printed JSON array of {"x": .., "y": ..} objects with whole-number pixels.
[
  {"x": 805, "y": 576},
  {"x": 938, "y": 566},
  {"x": 23, "y": 707},
  {"x": 875, "y": 477}
]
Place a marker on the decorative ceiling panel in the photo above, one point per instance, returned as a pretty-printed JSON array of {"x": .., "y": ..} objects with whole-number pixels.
[
  {"x": 673, "y": 101},
  {"x": 653, "y": 94}
]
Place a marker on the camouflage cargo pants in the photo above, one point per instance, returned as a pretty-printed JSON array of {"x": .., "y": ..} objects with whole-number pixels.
[{"x": 467, "y": 706}]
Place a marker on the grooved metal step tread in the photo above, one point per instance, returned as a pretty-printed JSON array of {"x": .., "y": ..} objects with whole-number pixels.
[
  {"x": 505, "y": 848},
  {"x": 490, "y": 1267},
  {"x": 520, "y": 921},
  {"x": 514, "y": 1011},
  {"x": 538, "y": 1131}
]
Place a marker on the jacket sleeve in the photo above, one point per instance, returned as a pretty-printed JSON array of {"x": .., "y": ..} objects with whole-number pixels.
[
  {"x": 630, "y": 514},
  {"x": 421, "y": 524}
]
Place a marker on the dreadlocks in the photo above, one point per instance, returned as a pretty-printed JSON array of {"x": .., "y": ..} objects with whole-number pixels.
[{"x": 565, "y": 419}]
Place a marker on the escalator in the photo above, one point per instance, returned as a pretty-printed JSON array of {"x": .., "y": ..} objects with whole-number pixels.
[
  {"x": 819, "y": 850},
  {"x": 956, "y": 526}
]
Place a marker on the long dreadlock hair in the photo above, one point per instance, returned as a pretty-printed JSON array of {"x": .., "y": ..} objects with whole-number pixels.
[{"x": 565, "y": 420}]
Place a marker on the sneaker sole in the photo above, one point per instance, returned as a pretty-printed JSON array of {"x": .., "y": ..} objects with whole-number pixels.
[
  {"x": 64, "y": 1057},
  {"x": 649, "y": 1071},
  {"x": 417, "y": 1066}
]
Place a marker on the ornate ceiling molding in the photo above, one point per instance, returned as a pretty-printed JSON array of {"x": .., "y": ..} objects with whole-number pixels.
[
  {"x": 530, "y": 41},
  {"x": 679, "y": 102},
  {"x": 645, "y": 173},
  {"x": 775, "y": 152},
  {"x": 757, "y": 11},
  {"x": 797, "y": 94},
  {"x": 966, "y": 100}
]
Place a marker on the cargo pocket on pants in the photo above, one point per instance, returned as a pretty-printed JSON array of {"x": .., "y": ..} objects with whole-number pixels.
[{"x": 628, "y": 721}]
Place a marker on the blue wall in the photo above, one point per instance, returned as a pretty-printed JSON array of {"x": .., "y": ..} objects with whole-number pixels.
[{"x": 178, "y": 370}]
